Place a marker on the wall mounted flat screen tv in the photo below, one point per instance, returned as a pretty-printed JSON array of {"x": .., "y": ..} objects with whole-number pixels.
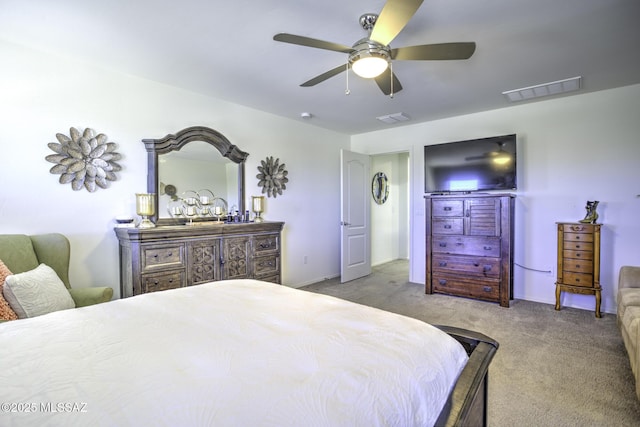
[{"x": 474, "y": 165}]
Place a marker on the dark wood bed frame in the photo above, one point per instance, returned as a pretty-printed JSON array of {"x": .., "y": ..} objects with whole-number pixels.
[{"x": 467, "y": 403}]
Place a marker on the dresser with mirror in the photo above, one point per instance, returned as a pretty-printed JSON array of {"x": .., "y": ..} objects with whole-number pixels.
[{"x": 184, "y": 251}]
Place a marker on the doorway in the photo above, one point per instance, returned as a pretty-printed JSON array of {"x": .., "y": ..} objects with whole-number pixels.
[{"x": 390, "y": 221}]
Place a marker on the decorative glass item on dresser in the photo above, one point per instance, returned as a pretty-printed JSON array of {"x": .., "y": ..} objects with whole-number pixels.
[
  {"x": 145, "y": 207},
  {"x": 195, "y": 157},
  {"x": 257, "y": 205},
  {"x": 201, "y": 204}
]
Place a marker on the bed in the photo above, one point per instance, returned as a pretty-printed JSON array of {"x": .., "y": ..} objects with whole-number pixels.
[{"x": 239, "y": 353}]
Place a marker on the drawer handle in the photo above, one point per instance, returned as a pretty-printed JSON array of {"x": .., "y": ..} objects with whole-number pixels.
[
  {"x": 577, "y": 246},
  {"x": 447, "y": 227},
  {"x": 476, "y": 264},
  {"x": 487, "y": 248},
  {"x": 577, "y": 237},
  {"x": 442, "y": 264},
  {"x": 155, "y": 255},
  {"x": 459, "y": 244},
  {"x": 486, "y": 288},
  {"x": 442, "y": 282},
  {"x": 443, "y": 245},
  {"x": 486, "y": 268},
  {"x": 577, "y": 228},
  {"x": 265, "y": 245},
  {"x": 577, "y": 265},
  {"x": 267, "y": 263},
  {"x": 578, "y": 255},
  {"x": 155, "y": 282},
  {"x": 577, "y": 280},
  {"x": 447, "y": 208}
]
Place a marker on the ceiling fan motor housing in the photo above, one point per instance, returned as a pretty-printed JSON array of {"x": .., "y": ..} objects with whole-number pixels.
[{"x": 368, "y": 48}]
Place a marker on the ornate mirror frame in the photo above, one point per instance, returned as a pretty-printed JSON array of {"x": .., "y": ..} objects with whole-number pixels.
[{"x": 174, "y": 142}]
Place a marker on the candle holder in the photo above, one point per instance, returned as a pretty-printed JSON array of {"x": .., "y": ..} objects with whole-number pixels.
[
  {"x": 257, "y": 205},
  {"x": 145, "y": 207}
]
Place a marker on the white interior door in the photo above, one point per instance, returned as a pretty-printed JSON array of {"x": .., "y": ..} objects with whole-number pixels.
[{"x": 355, "y": 213}]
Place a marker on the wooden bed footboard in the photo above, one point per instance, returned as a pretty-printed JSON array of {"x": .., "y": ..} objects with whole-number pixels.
[{"x": 467, "y": 403}]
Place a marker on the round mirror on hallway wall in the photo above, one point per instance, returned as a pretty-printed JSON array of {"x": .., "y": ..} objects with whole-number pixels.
[{"x": 380, "y": 188}]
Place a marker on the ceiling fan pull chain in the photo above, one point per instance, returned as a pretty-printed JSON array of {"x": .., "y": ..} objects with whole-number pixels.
[{"x": 347, "y": 91}]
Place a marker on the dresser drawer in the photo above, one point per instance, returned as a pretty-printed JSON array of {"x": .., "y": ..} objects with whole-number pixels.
[
  {"x": 156, "y": 257},
  {"x": 488, "y": 289},
  {"x": 447, "y": 226},
  {"x": 266, "y": 265},
  {"x": 578, "y": 237},
  {"x": 587, "y": 255},
  {"x": 467, "y": 245},
  {"x": 577, "y": 279},
  {"x": 447, "y": 207},
  {"x": 477, "y": 266},
  {"x": 578, "y": 246},
  {"x": 266, "y": 243},
  {"x": 578, "y": 265},
  {"x": 578, "y": 228},
  {"x": 162, "y": 281}
]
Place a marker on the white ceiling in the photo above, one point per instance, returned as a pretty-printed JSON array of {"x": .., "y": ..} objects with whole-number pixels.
[{"x": 225, "y": 49}]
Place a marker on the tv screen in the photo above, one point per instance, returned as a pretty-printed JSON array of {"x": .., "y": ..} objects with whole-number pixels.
[{"x": 474, "y": 165}]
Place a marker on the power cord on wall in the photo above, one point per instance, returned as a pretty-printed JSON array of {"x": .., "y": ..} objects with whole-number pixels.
[{"x": 533, "y": 269}]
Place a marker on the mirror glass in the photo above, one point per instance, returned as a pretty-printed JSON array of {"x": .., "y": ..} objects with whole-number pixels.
[{"x": 196, "y": 166}]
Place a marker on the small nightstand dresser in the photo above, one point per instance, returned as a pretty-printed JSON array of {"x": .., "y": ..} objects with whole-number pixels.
[{"x": 579, "y": 261}]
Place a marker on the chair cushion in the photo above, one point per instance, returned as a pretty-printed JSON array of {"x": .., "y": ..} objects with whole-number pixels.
[
  {"x": 6, "y": 313},
  {"x": 36, "y": 292}
]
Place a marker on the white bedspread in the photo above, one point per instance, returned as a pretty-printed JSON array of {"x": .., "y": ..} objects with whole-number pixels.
[{"x": 233, "y": 353}]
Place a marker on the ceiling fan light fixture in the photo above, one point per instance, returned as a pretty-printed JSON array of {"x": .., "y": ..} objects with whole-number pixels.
[
  {"x": 369, "y": 67},
  {"x": 369, "y": 59}
]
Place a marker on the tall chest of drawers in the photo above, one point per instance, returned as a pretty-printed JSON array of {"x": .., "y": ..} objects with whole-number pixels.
[
  {"x": 579, "y": 261},
  {"x": 169, "y": 257},
  {"x": 469, "y": 246}
]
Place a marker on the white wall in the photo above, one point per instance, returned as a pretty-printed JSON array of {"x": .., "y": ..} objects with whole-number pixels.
[
  {"x": 570, "y": 150},
  {"x": 43, "y": 95},
  {"x": 390, "y": 220}
]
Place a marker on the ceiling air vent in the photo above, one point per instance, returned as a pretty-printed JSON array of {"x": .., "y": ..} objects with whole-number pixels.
[
  {"x": 393, "y": 118},
  {"x": 545, "y": 89}
]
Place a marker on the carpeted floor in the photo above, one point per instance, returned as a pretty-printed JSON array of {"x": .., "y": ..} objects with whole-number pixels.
[{"x": 553, "y": 368}]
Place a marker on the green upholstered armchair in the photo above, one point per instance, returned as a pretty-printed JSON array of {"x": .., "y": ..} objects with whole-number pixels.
[{"x": 21, "y": 253}]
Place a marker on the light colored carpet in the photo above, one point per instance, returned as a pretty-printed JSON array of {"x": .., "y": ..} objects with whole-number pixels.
[{"x": 553, "y": 368}]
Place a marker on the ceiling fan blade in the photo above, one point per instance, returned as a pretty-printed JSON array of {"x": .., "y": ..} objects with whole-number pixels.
[
  {"x": 309, "y": 42},
  {"x": 324, "y": 76},
  {"x": 384, "y": 82},
  {"x": 442, "y": 51},
  {"x": 392, "y": 19}
]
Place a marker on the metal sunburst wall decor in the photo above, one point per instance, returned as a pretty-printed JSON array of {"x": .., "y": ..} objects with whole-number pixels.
[
  {"x": 85, "y": 160},
  {"x": 272, "y": 177}
]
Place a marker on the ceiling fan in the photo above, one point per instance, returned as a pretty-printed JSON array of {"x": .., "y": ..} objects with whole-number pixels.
[
  {"x": 371, "y": 56},
  {"x": 499, "y": 157}
]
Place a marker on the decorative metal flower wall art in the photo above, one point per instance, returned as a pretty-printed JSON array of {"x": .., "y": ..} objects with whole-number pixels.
[
  {"x": 272, "y": 177},
  {"x": 84, "y": 159}
]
